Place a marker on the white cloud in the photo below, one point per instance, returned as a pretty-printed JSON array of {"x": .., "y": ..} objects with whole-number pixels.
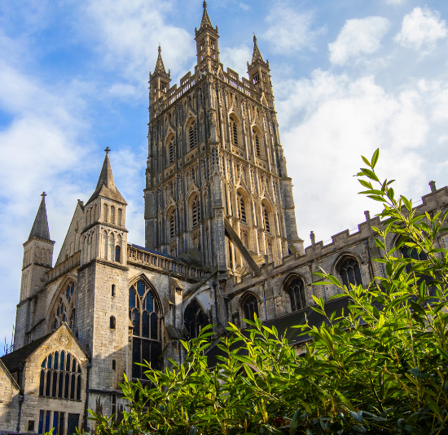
[
  {"x": 236, "y": 58},
  {"x": 290, "y": 31},
  {"x": 421, "y": 29},
  {"x": 130, "y": 31},
  {"x": 329, "y": 120},
  {"x": 358, "y": 36},
  {"x": 395, "y": 2}
]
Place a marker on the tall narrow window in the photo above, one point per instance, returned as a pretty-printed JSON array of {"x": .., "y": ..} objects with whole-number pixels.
[
  {"x": 171, "y": 151},
  {"x": 192, "y": 135},
  {"x": 241, "y": 208},
  {"x": 120, "y": 217},
  {"x": 250, "y": 307},
  {"x": 118, "y": 254},
  {"x": 234, "y": 131},
  {"x": 144, "y": 313},
  {"x": 296, "y": 291},
  {"x": 112, "y": 246},
  {"x": 195, "y": 212},
  {"x": 112, "y": 215},
  {"x": 105, "y": 213},
  {"x": 105, "y": 244},
  {"x": 173, "y": 225},
  {"x": 257, "y": 143},
  {"x": 113, "y": 290},
  {"x": 112, "y": 322},
  {"x": 194, "y": 319},
  {"x": 350, "y": 272},
  {"x": 267, "y": 225}
]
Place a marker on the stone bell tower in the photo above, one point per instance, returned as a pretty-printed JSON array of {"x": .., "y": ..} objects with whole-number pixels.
[
  {"x": 37, "y": 260},
  {"x": 217, "y": 191}
]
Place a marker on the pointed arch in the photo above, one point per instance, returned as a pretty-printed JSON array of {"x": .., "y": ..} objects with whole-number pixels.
[
  {"x": 266, "y": 216},
  {"x": 195, "y": 318},
  {"x": 249, "y": 305},
  {"x": 235, "y": 130},
  {"x": 62, "y": 307},
  {"x": 347, "y": 266},
  {"x": 192, "y": 133},
  {"x": 294, "y": 286},
  {"x": 258, "y": 144},
  {"x": 170, "y": 150}
]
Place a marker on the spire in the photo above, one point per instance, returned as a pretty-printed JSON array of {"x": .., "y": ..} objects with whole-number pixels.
[
  {"x": 205, "y": 18},
  {"x": 40, "y": 226},
  {"x": 160, "y": 67},
  {"x": 106, "y": 185},
  {"x": 256, "y": 55}
]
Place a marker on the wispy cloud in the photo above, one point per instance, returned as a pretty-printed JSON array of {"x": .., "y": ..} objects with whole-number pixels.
[{"x": 290, "y": 31}]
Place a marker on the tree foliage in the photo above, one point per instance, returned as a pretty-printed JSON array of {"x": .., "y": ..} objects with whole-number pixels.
[{"x": 379, "y": 367}]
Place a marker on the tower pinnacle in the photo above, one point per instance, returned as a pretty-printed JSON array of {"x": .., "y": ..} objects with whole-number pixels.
[
  {"x": 160, "y": 67},
  {"x": 205, "y": 18},
  {"x": 40, "y": 226},
  {"x": 256, "y": 54}
]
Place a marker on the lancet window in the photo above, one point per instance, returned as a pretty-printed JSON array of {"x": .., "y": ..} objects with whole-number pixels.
[
  {"x": 172, "y": 224},
  {"x": 234, "y": 131},
  {"x": 195, "y": 212},
  {"x": 350, "y": 273},
  {"x": 257, "y": 143},
  {"x": 296, "y": 291},
  {"x": 112, "y": 215},
  {"x": 64, "y": 310},
  {"x": 267, "y": 224},
  {"x": 192, "y": 135},
  {"x": 250, "y": 306},
  {"x": 171, "y": 151},
  {"x": 60, "y": 377},
  {"x": 194, "y": 319},
  {"x": 144, "y": 313},
  {"x": 241, "y": 208}
]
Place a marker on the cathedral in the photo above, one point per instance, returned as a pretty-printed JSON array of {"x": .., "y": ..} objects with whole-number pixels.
[{"x": 221, "y": 245}]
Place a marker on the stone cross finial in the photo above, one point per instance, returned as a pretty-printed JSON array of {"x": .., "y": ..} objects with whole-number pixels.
[
  {"x": 367, "y": 215},
  {"x": 43, "y": 195},
  {"x": 204, "y": 4},
  {"x": 107, "y": 150},
  {"x": 255, "y": 38},
  {"x": 313, "y": 238},
  {"x": 432, "y": 185},
  {"x": 160, "y": 48}
]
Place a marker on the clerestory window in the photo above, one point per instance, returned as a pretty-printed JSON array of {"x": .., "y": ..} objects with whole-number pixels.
[
  {"x": 250, "y": 306},
  {"x": 296, "y": 291},
  {"x": 194, "y": 319},
  {"x": 64, "y": 310},
  {"x": 192, "y": 135},
  {"x": 350, "y": 273}
]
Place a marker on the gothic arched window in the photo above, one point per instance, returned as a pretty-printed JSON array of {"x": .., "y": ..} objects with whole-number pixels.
[
  {"x": 105, "y": 213},
  {"x": 267, "y": 224},
  {"x": 118, "y": 254},
  {"x": 257, "y": 143},
  {"x": 171, "y": 149},
  {"x": 234, "y": 131},
  {"x": 172, "y": 224},
  {"x": 250, "y": 306},
  {"x": 64, "y": 310},
  {"x": 350, "y": 273},
  {"x": 194, "y": 319},
  {"x": 144, "y": 313},
  {"x": 112, "y": 215},
  {"x": 192, "y": 135},
  {"x": 241, "y": 208},
  {"x": 296, "y": 291},
  {"x": 60, "y": 377},
  {"x": 120, "y": 217},
  {"x": 195, "y": 212}
]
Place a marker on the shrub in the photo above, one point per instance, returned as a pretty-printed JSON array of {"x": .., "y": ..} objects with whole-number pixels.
[{"x": 380, "y": 367}]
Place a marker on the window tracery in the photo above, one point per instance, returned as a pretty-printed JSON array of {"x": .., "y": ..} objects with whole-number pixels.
[
  {"x": 350, "y": 272},
  {"x": 171, "y": 151},
  {"x": 65, "y": 308},
  {"x": 192, "y": 135},
  {"x": 172, "y": 224},
  {"x": 194, "y": 319},
  {"x": 267, "y": 225},
  {"x": 234, "y": 131},
  {"x": 60, "y": 376},
  {"x": 296, "y": 291},
  {"x": 250, "y": 306},
  {"x": 144, "y": 314},
  {"x": 195, "y": 212},
  {"x": 241, "y": 208}
]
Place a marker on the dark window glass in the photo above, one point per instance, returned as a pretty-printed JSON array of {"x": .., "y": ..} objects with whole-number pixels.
[
  {"x": 113, "y": 289},
  {"x": 56, "y": 360},
  {"x": 350, "y": 272},
  {"x": 72, "y": 424},
  {"x": 73, "y": 387},
  {"x": 250, "y": 307},
  {"x": 47, "y": 421},
  {"x": 67, "y": 385},
  {"x": 41, "y": 422},
  {"x": 74, "y": 365},
  {"x": 61, "y": 423},
  {"x": 62, "y": 360},
  {"x": 44, "y": 363},
  {"x": 145, "y": 351},
  {"x": 131, "y": 298},
  {"x": 136, "y": 322},
  {"x": 149, "y": 302},
  {"x": 42, "y": 382},
  {"x": 78, "y": 388},
  {"x": 194, "y": 319},
  {"x": 55, "y": 422},
  {"x": 30, "y": 425},
  {"x": 47, "y": 389},
  {"x": 67, "y": 368},
  {"x": 154, "y": 326},
  {"x": 296, "y": 291},
  {"x": 118, "y": 254},
  {"x": 136, "y": 358},
  {"x": 112, "y": 322},
  {"x": 55, "y": 384},
  {"x": 145, "y": 324},
  {"x": 114, "y": 364},
  {"x": 61, "y": 384},
  {"x": 49, "y": 361},
  {"x": 140, "y": 288}
]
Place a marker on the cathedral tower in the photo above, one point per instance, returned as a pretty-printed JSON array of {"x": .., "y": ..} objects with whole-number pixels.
[
  {"x": 217, "y": 191},
  {"x": 101, "y": 320},
  {"x": 37, "y": 260}
]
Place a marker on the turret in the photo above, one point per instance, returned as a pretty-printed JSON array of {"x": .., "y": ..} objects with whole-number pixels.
[
  {"x": 207, "y": 47},
  {"x": 260, "y": 74},
  {"x": 159, "y": 84}
]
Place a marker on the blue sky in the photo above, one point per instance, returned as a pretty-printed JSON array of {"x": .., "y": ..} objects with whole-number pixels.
[{"x": 349, "y": 76}]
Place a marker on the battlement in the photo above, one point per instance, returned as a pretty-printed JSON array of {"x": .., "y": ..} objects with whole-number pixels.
[{"x": 437, "y": 199}]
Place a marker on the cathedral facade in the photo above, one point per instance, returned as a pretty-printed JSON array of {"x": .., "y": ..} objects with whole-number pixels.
[{"x": 221, "y": 244}]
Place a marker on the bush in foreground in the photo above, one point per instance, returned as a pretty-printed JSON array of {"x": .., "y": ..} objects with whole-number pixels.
[{"x": 380, "y": 367}]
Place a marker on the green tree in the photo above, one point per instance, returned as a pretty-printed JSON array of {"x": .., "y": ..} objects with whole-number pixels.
[{"x": 379, "y": 367}]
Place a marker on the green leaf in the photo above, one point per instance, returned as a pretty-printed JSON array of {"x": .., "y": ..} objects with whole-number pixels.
[
  {"x": 370, "y": 174},
  {"x": 406, "y": 202},
  {"x": 375, "y": 156},
  {"x": 366, "y": 161}
]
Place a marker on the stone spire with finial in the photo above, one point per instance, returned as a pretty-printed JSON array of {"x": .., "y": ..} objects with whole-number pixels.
[
  {"x": 160, "y": 67},
  {"x": 205, "y": 18},
  {"x": 40, "y": 226},
  {"x": 256, "y": 54},
  {"x": 106, "y": 184}
]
